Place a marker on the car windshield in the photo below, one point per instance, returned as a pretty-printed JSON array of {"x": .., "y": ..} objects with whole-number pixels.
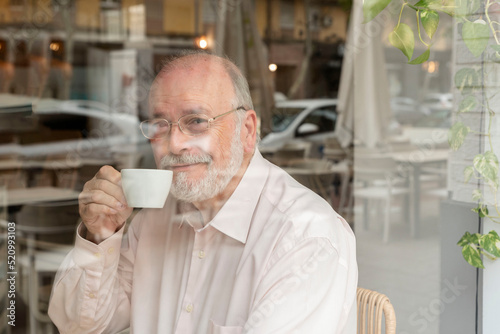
[
  {"x": 283, "y": 117},
  {"x": 437, "y": 119}
]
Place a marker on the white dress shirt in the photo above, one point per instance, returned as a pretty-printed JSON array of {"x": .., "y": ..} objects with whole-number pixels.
[{"x": 275, "y": 259}]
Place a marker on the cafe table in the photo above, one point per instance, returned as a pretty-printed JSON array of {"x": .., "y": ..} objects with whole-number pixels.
[
  {"x": 24, "y": 196},
  {"x": 320, "y": 179},
  {"x": 414, "y": 161}
]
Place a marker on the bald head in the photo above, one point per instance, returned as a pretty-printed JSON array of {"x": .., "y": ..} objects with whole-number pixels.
[{"x": 190, "y": 59}]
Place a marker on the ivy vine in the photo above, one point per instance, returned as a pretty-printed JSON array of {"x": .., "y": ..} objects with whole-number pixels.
[{"x": 480, "y": 35}]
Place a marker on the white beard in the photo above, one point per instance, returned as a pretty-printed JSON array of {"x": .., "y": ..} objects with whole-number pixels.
[{"x": 215, "y": 180}]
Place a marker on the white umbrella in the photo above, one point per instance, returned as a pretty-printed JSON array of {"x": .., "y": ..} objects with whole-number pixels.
[
  {"x": 364, "y": 99},
  {"x": 238, "y": 38}
]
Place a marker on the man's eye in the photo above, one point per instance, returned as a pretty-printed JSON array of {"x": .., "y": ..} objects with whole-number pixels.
[
  {"x": 196, "y": 120},
  {"x": 162, "y": 125}
]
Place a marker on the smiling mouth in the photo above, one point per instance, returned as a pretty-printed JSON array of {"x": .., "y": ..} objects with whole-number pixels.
[
  {"x": 178, "y": 163},
  {"x": 183, "y": 167}
]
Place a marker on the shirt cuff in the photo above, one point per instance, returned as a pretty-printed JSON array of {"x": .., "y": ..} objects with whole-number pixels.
[{"x": 88, "y": 255}]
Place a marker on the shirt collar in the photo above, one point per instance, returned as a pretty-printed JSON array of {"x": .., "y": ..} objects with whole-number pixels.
[{"x": 235, "y": 217}]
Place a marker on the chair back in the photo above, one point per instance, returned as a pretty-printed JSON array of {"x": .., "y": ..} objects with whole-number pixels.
[
  {"x": 315, "y": 174},
  {"x": 372, "y": 308},
  {"x": 47, "y": 219}
]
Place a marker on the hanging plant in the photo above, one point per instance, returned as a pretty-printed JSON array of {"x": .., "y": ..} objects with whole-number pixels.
[{"x": 481, "y": 38}]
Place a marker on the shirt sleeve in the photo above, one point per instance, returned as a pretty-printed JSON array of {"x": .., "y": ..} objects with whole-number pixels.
[
  {"x": 311, "y": 288},
  {"x": 91, "y": 291}
]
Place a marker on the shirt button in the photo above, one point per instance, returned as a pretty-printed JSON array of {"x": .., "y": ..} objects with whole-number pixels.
[
  {"x": 97, "y": 255},
  {"x": 111, "y": 250},
  {"x": 91, "y": 295},
  {"x": 189, "y": 308},
  {"x": 201, "y": 254}
]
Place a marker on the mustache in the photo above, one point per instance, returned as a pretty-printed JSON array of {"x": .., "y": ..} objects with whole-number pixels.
[{"x": 185, "y": 159}]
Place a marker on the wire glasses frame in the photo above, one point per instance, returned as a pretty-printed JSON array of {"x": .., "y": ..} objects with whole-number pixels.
[{"x": 192, "y": 125}]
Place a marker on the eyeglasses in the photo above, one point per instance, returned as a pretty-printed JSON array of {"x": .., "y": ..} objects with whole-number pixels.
[{"x": 192, "y": 125}]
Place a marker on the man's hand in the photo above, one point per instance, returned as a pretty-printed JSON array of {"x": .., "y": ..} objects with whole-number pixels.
[{"x": 103, "y": 206}]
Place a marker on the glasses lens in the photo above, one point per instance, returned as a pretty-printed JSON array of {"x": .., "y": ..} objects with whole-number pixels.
[
  {"x": 193, "y": 124},
  {"x": 155, "y": 129}
]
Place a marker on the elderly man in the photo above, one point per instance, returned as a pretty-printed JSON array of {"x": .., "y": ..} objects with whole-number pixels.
[{"x": 239, "y": 247}]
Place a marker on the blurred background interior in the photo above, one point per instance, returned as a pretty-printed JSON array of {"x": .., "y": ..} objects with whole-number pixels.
[{"x": 347, "y": 117}]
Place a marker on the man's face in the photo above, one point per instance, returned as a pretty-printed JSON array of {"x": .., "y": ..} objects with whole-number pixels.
[{"x": 204, "y": 164}]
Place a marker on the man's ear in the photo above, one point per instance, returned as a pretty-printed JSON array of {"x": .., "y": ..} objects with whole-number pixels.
[{"x": 249, "y": 131}]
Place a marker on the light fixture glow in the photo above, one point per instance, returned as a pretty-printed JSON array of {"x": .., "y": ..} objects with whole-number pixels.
[
  {"x": 431, "y": 67},
  {"x": 273, "y": 67},
  {"x": 202, "y": 43}
]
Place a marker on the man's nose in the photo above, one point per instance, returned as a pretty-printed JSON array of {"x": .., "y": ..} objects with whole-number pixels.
[{"x": 178, "y": 140}]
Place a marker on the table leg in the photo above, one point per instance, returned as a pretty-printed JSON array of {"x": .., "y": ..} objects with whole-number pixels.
[
  {"x": 366, "y": 213},
  {"x": 415, "y": 218},
  {"x": 343, "y": 191}
]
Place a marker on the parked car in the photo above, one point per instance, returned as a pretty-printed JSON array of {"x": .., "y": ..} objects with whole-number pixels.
[
  {"x": 436, "y": 119},
  {"x": 311, "y": 120},
  {"x": 431, "y": 130},
  {"x": 81, "y": 128},
  {"x": 438, "y": 102},
  {"x": 433, "y": 111}
]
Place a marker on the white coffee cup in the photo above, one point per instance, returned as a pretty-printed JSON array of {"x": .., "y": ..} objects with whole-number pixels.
[{"x": 146, "y": 188}]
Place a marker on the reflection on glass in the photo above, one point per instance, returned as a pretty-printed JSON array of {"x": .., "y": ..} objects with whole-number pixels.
[{"x": 283, "y": 117}]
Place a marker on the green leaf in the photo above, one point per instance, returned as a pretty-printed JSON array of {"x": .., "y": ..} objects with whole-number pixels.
[
  {"x": 402, "y": 38},
  {"x": 487, "y": 165},
  {"x": 466, "y": 7},
  {"x": 474, "y": 238},
  {"x": 489, "y": 243},
  {"x": 430, "y": 21},
  {"x": 497, "y": 57},
  {"x": 476, "y": 195},
  {"x": 449, "y": 7},
  {"x": 468, "y": 104},
  {"x": 457, "y": 134},
  {"x": 495, "y": 234},
  {"x": 495, "y": 47},
  {"x": 481, "y": 210},
  {"x": 372, "y": 8},
  {"x": 468, "y": 173},
  {"x": 446, "y": 6},
  {"x": 484, "y": 211},
  {"x": 425, "y": 3},
  {"x": 422, "y": 58},
  {"x": 465, "y": 240},
  {"x": 466, "y": 80},
  {"x": 468, "y": 238},
  {"x": 472, "y": 256},
  {"x": 476, "y": 35}
]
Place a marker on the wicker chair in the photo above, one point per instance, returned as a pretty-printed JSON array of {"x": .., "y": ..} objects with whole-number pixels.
[{"x": 371, "y": 306}]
